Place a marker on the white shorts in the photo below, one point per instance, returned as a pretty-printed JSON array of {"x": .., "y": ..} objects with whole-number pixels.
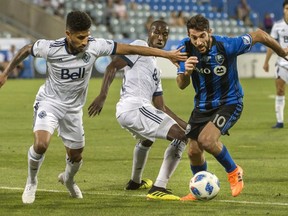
[
  {"x": 146, "y": 122},
  {"x": 49, "y": 117},
  {"x": 282, "y": 72}
]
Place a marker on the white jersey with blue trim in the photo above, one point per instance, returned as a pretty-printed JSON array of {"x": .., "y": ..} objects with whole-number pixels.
[
  {"x": 280, "y": 33},
  {"x": 141, "y": 80},
  {"x": 67, "y": 74}
]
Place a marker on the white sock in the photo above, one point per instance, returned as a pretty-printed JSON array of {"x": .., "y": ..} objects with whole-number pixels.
[
  {"x": 170, "y": 162},
  {"x": 34, "y": 163},
  {"x": 140, "y": 156},
  {"x": 279, "y": 108},
  {"x": 71, "y": 169}
]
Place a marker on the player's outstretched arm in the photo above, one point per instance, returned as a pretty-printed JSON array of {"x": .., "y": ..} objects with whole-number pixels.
[
  {"x": 260, "y": 36},
  {"x": 98, "y": 103},
  {"x": 158, "y": 102},
  {"x": 174, "y": 55},
  {"x": 18, "y": 58}
]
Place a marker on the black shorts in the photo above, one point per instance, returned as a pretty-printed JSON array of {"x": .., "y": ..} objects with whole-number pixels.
[{"x": 223, "y": 118}]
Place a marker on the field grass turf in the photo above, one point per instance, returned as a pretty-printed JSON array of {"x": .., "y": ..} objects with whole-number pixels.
[{"x": 261, "y": 151}]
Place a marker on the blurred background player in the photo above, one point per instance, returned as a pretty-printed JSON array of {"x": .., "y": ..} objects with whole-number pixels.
[
  {"x": 218, "y": 101},
  {"x": 142, "y": 111},
  {"x": 279, "y": 32},
  {"x": 60, "y": 100}
]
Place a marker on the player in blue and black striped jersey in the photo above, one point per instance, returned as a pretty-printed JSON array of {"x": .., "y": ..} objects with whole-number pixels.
[{"x": 218, "y": 101}]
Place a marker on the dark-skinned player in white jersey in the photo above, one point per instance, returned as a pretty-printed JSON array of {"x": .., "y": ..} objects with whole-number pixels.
[{"x": 59, "y": 102}]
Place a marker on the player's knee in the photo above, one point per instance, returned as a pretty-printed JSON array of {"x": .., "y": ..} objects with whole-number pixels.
[
  {"x": 176, "y": 132},
  {"x": 207, "y": 142},
  {"x": 146, "y": 143},
  {"x": 40, "y": 146},
  {"x": 75, "y": 155}
]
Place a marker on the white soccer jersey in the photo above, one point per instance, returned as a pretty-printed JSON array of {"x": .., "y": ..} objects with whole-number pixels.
[
  {"x": 141, "y": 81},
  {"x": 67, "y": 74},
  {"x": 280, "y": 33}
]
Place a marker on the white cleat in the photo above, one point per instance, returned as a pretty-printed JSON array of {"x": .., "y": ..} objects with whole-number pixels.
[
  {"x": 28, "y": 195},
  {"x": 73, "y": 189}
]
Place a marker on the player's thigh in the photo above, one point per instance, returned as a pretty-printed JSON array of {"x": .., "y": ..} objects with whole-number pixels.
[
  {"x": 226, "y": 117},
  {"x": 147, "y": 122},
  {"x": 44, "y": 118},
  {"x": 71, "y": 130}
]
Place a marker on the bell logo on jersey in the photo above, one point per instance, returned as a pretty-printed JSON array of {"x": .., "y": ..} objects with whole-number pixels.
[{"x": 66, "y": 74}]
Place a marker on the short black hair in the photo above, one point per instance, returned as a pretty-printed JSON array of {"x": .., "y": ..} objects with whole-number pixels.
[
  {"x": 198, "y": 22},
  {"x": 158, "y": 22},
  {"x": 78, "y": 21},
  {"x": 285, "y": 3}
]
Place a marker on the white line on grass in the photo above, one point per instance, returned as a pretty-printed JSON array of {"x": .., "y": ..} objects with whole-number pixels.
[{"x": 139, "y": 195}]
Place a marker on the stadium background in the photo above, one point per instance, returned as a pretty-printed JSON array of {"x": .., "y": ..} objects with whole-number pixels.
[{"x": 24, "y": 21}]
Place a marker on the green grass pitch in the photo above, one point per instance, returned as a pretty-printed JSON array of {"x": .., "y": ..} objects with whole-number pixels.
[{"x": 260, "y": 150}]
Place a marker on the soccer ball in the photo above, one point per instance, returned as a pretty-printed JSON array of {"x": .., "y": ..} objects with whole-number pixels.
[{"x": 204, "y": 185}]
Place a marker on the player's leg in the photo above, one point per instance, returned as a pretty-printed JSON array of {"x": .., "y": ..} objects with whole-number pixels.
[
  {"x": 72, "y": 133},
  {"x": 140, "y": 156},
  {"x": 44, "y": 126},
  {"x": 208, "y": 138},
  {"x": 197, "y": 163},
  {"x": 172, "y": 157},
  {"x": 73, "y": 165},
  {"x": 279, "y": 102}
]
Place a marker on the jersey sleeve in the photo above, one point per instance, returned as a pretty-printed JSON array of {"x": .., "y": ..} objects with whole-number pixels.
[
  {"x": 159, "y": 90},
  {"x": 131, "y": 59},
  {"x": 238, "y": 45},
  {"x": 102, "y": 47},
  {"x": 273, "y": 32},
  {"x": 181, "y": 68},
  {"x": 41, "y": 48}
]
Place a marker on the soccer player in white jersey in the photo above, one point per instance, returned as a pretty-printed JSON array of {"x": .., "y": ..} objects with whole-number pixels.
[
  {"x": 141, "y": 110},
  {"x": 280, "y": 33},
  {"x": 59, "y": 101}
]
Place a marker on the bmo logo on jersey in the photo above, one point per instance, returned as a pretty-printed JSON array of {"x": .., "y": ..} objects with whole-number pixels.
[
  {"x": 220, "y": 70},
  {"x": 68, "y": 74}
]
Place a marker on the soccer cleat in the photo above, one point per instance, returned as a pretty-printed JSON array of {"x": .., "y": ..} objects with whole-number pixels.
[
  {"x": 236, "y": 181},
  {"x": 73, "y": 189},
  {"x": 145, "y": 184},
  {"x": 278, "y": 125},
  {"x": 188, "y": 197},
  {"x": 159, "y": 193},
  {"x": 28, "y": 195}
]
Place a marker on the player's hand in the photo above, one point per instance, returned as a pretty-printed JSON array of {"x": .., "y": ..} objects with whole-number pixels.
[
  {"x": 176, "y": 55},
  {"x": 3, "y": 79},
  {"x": 266, "y": 67},
  {"x": 190, "y": 65},
  {"x": 96, "y": 106}
]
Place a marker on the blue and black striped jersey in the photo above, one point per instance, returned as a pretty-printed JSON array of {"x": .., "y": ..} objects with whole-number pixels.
[{"x": 215, "y": 78}]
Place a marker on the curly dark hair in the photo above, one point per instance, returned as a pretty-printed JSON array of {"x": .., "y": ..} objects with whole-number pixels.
[
  {"x": 198, "y": 22},
  {"x": 78, "y": 21}
]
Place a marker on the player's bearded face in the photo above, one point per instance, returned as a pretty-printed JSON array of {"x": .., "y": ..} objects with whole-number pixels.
[
  {"x": 77, "y": 41},
  {"x": 200, "y": 39}
]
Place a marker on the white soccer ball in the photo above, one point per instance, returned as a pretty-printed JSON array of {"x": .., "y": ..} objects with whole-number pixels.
[{"x": 204, "y": 185}]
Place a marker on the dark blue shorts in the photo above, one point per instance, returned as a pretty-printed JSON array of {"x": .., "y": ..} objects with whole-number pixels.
[{"x": 223, "y": 118}]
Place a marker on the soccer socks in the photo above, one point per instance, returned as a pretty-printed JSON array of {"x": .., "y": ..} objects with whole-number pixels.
[
  {"x": 225, "y": 159},
  {"x": 140, "y": 156},
  {"x": 279, "y": 108},
  {"x": 172, "y": 157},
  {"x": 34, "y": 163},
  {"x": 71, "y": 169},
  {"x": 196, "y": 169}
]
